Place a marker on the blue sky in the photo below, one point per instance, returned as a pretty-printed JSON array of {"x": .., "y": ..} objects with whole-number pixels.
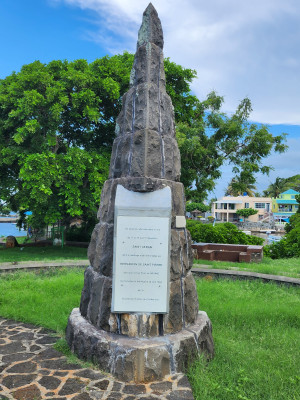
[{"x": 238, "y": 49}]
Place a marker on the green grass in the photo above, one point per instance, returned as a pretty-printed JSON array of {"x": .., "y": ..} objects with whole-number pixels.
[
  {"x": 257, "y": 342},
  {"x": 283, "y": 266},
  {"x": 18, "y": 254},
  {"x": 44, "y": 298},
  {"x": 255, "y": 328}
]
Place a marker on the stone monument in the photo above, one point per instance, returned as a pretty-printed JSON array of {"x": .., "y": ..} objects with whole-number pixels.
[{"x": 138, "y": 316}]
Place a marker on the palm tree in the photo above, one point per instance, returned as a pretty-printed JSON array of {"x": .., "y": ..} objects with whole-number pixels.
[
  {"x": 279, "y": 186},
  {"x": 237, "y": 187}
]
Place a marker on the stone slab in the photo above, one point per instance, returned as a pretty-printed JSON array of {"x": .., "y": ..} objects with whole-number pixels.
[
  {"x": 141, "y": 251},
  {"x": 139, "y": 359}
]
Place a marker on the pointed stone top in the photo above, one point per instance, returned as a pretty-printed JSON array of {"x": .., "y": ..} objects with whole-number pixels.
[{"x": 151, "y": 30}]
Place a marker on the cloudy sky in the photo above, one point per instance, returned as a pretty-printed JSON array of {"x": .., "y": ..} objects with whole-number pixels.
[{"x": 239, "y": 48}]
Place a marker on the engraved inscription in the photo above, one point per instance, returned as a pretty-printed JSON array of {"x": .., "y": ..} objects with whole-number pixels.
[{"x": 141, "y": 264}]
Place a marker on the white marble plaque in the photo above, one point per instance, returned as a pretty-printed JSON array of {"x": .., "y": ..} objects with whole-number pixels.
[{"x": 141, "y": 255}]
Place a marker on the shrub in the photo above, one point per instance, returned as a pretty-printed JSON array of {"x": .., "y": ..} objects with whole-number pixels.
[
  {"x": 289, "y": 246},
  {"x": 196, "y": 206},
  {"x": 221, "y": 233},
  {"x": 82, "y": 233}
]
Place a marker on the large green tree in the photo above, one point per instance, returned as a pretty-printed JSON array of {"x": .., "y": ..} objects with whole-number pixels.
[
  {"x": 56, "y": 131},
  {"x": 213, "y": 138},
  {"x": 57, "y": 128}
]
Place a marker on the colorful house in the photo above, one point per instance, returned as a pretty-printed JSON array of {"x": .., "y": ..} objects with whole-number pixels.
[
  {"x": 224, "y": 209},
  {"x": 285, "y": 205}
]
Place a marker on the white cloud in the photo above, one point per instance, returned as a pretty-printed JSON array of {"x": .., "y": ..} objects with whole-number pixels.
[{"x": 238, "y": 48}]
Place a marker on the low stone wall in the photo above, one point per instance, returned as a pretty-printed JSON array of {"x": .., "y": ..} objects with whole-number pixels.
[
  {"x": 253, "y": 226},
  {"x": 228, "y": 252}
]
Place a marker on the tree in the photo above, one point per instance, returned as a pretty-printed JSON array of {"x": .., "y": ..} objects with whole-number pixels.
[
  {"x": 280, "y": 185},
  {"x": 57, "y": 124},
  {"x": 196, "y": 206},
  {"x": 277, "y": 187},
  {"x": 212, "y": 138},
  {"x": 57, "y": 128},
  {"x": 237, "y": 188},
  {"x": 294, "y": 182},
  {"x": 246, "y": 212}
]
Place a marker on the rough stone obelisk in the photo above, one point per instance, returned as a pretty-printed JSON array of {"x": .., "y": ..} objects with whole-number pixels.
[{"x": 142, "y": 346}]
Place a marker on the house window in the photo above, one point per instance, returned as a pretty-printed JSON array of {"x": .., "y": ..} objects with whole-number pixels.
[
  {"x": 259, "y": 205},
  {"x": 225, "y": 206},
  {"x": 292, "y": 196},
  {"x": 247, "y": 205},
  {"x": 231, "y": 206}
]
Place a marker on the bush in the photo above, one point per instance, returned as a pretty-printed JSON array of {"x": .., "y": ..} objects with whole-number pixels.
[
  {"x": 80, "y": 234},
  {"x": 289, "y": 246},
  {"x": 226, "y": 233}
]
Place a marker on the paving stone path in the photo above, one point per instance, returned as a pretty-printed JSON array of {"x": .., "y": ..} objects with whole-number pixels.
[{"x": 31, "y": 369}]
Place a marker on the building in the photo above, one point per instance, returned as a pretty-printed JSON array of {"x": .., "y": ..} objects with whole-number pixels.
[
  {"x": 225, "y": 208},
  {"x": 284, "y": 206}
]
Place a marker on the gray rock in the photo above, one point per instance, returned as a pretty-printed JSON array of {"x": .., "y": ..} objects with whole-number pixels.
[
  {"x": 191, "y": 305},
  {"x": 150, "y": 30},
  {"x": 173, "y": 321},
  {"x": 86, "y": 291},
  {"x": 100, "y": 251}
]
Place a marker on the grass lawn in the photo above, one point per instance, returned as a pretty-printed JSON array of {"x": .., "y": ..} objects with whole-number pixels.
[
  {"x": 44, "y": 297},
  {"x": 283, "y": 266},
  {"x": 255, "y": 328},
  {"x": 42, "y": 253},
  {"x": 257, "y": 342}
]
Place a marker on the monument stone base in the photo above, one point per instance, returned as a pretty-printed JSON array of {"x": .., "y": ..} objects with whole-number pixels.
[{"x": 140, "y": 359}]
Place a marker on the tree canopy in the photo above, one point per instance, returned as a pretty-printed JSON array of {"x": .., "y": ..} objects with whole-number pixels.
[
  {"x": 196, "y": 206},
  {"x": 246, "y": 212},
  {"x": 238, "y": 187},
  {"x": 57, "y": 128},
  {"x": 213, "y": 138},
  {"x": 280, "y": 185}
]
